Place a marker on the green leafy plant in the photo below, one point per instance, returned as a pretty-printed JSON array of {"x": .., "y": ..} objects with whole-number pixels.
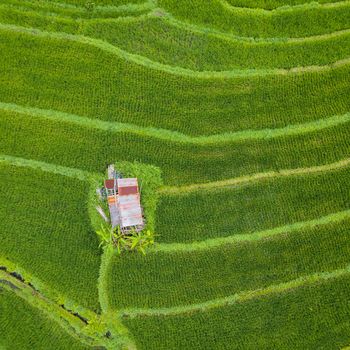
[
  {"x": 89, "y": 6},
  {"x": 133, "y": 240},
  {"x": 105, "y": 234},
  {"x": 125, "y": 241}
]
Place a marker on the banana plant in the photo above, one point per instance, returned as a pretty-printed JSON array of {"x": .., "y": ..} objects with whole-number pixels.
[
  {"x": 105, "y": 235},
  {"x": 133, "y": 241}
]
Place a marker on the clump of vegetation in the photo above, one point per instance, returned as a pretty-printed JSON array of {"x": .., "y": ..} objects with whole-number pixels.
[
  {"x": 89, "y": 6},
  {"x": 130, "y": 241}
]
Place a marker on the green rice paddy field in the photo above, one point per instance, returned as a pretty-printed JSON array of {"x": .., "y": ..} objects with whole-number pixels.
[{"x": 235, "y": 117}]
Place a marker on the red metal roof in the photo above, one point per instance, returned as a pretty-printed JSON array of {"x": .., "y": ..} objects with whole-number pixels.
[
  {"x": 129, "y": 202},
  {"x": 125, "y": 191},
  {"x": 109, "y": 184},
  {"x": 128, "y": 186},
  {"x": 130, "y": 210}
]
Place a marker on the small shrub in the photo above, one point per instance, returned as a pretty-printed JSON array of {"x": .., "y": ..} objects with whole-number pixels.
[{"x": 130, "y": 241}]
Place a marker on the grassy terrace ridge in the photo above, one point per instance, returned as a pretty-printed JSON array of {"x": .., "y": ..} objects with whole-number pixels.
[
  {"x": 251, "y": 237},
  {"x": 101, "y": 2},
  {"x": 173, "y": 136},
  {"x": 310, "y": 19},
  {"x": 181, "y": 164},
  {"x": 273, "y": 4},
  {"x": 232, "y": 37},
  {"x": 313, "y": 316},
  {"x": 60, "y": 308},
  {"x": 274, "y": 154},
  {"x": 167, "y": 100},
  {"x": 241, "y": 297},
  {"x": 273, "y": 202},
  {"x": 40, "y": 331},
  {"x": 64, "y": 14},
  {"x": 244, "y": 180},
  {"x": 77, "y": 5},
  {"x": 86, "y": 327},
  {"x": 33, "y": 15},
  {"x": 46, "y": 167},
  {"x": 231, "y": 268},
  {"x": 181, "y": 46},
  {"x": 62, "y": 201},
  {"x": 234, "y": 116}
]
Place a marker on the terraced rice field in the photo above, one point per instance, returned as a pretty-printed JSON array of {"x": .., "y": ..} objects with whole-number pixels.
[{"x": 234, "y": 115}]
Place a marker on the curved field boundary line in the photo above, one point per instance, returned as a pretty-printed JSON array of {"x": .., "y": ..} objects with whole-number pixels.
[
  {"x": 71, "y": 324},
  {"x": 282, "y": 6},
  {"x": 235, "y": 38},
  {"x": 243, "y": 180},
  {"x": 149, "y": 4},
  {"x": 102, "y": 284},
  {"x": 47, "y": 167},
  {"x": 237, "y": 298},
  {"x": 251, "y": 237},
  {"x": 123, "y": 19},
  {"x": 42, "y": 288},
  {"x": 85, "y": 333},
  {"x": 128, "y": 14},
  {"x": 98, "y": 324},
  {"x": 146, "y": 62},
  {"x": 174, "y": 136},
  {"x": 154, "y": 12},
  {"x": 308, "y": 5}
]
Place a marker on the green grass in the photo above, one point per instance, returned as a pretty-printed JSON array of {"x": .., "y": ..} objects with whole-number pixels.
[
  {"x": 76, "y": 78},
  {"x": 45, "y": 230},
  {"x": 163, "y": 40},
  {"x": 298, "y": 22},
  {"x": 26, "y": 328},
  {"x": 160, "y": 40},
  {"x": 263, "y": 205},
  {"x": 89, "y": 149},
  {"x": 312, "y": 317},
  {"x": 241, "y": 109},
  {"x": 181, "y": 278},
  {"x": 272, "y": 4},
  {"x": 99, "y": 2},
  {"x": 59, "y": 16}
]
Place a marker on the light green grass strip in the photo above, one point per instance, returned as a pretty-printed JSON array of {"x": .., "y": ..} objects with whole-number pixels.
[
  {"x": 237, "y": 298},
  {"x": 143, "y": 61},
  {"x": 71, "y": 324},
  {"x": 102, "y": 285},
  {"x": 130, "y": 17},
  {"x": 282, "y": 9},
  {"x": 155, "y": 12},
  {"x": 247, "y": 179},
  {"x": 251, "y": 237},
  {"x": 47, "y": 167},
  {"x": 236, "y": 38},
  {"x": 98, "y": 325},
  {"x": 174, "y": 136},
  {"x": 51, "y": 5},
  {"x": 92, "y": 334}
]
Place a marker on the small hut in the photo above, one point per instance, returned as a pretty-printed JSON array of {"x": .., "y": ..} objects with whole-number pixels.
[
  {"x": 129, "y": 204},
  {"x": 124, "y": 203}
]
